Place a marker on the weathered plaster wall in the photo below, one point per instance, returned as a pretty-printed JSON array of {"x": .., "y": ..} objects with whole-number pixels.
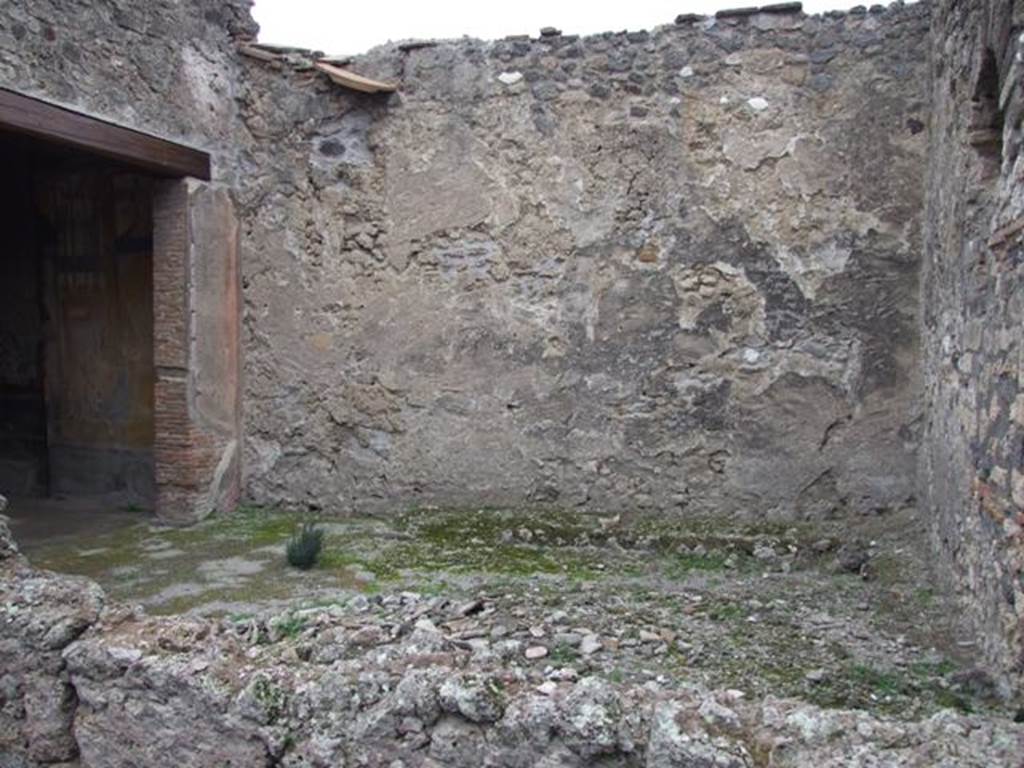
[
  {"x": 972, "y": 460},
  {"x": 675, "y": 270}
]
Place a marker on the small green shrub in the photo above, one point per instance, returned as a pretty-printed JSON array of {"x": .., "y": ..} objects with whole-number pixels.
[{"x": 304, "y": 547}]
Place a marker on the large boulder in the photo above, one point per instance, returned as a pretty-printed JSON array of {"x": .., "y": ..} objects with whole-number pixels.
[{"x": 168, "y": 702}]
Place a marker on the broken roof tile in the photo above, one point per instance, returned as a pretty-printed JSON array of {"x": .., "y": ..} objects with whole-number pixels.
[{"x": 349, "y": 79}]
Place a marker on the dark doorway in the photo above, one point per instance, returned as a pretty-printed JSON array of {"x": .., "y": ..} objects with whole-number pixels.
[
  {"x": 76, "y": 326},
  {"x": 120, "y": 311}
]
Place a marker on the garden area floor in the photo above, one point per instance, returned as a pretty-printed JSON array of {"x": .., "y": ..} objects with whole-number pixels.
[{"x": 818, "y": 612}]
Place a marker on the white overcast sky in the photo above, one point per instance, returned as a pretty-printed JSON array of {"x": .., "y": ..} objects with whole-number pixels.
[{"x": 339, "y": 27}]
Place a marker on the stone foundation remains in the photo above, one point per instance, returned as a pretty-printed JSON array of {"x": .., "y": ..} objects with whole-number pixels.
[{"x": 97, "y": 683}]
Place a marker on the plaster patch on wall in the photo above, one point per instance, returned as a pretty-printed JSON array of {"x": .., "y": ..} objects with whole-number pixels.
[
  {"x": 751, "y": 149},
  {"x": 809, "y": 270}
]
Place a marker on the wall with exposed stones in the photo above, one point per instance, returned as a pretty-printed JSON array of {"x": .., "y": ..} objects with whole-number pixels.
[
  {"x": 164, "y": 67},
  {"x": 972, "y": 459},
  {"x": 673, "y": 269}
]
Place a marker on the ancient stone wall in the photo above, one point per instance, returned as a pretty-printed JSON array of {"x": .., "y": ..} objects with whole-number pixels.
[
  {"x": 166, "y": 68},
  {"x": 972, "y": 459},
  {"x": 673, "y": 269}
]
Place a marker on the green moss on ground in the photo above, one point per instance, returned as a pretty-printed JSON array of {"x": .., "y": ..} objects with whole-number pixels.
[
  {"x": 898, "y": 692},
  {"x": 626, "y": 565},
  {"x": 363, "y": 553}
]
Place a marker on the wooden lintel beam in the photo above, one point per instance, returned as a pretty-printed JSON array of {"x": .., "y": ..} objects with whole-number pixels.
[{"x": 20, "y": 114}]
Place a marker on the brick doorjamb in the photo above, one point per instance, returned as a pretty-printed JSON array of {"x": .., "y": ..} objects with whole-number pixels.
[{"x": 196, "y": 323}]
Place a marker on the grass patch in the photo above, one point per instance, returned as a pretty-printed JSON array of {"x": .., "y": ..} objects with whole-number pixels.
[
  {"x": 564, "y": 655},
  {"x": 890, "y": 691},
  {"x": 678, "y": 566},
  {"x": 724, "y": 611},
  {"x": 463, "y": 528},
  {"x": 290, "y": 626},
  {"x": 434, "y": 547},
  {"x": 874, "y": 680}
]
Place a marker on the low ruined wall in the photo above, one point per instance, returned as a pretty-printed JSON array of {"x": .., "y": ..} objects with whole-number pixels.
[
  {"x": 972, "y": 458},
  {"x": 40, "y": 615},
  {"x": 98, "y": 685},
  {"x": 675, "y": 269}
]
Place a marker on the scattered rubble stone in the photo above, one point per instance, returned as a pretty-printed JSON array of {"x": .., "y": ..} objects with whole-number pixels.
[
  {"x": 590, "y": 644},
  {"x": 375, "y": 681},
  {"x": 732, "y": 13},
  {"x": 794, "y": 7}
]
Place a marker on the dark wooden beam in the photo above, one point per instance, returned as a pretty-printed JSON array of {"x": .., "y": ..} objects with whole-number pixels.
[{"x": 20, "y": 114}]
